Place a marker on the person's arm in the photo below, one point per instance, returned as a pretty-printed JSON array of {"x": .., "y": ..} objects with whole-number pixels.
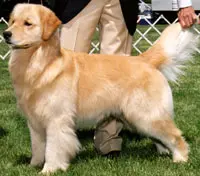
[{"x": 186, "y": 14}]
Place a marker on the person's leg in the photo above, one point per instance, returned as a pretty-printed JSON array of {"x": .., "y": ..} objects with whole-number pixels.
[
  {"x": 106, "y": 138},
  {"x": 77, "y": 34},
  {"x": 114, "y": 35},
  {"x": 114, "y": 39}
]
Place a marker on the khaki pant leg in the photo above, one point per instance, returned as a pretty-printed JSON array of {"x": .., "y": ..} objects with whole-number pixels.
[
  {"x": 114, "y": 35},
  {"x": 106, "y": 138},
  {"x": 77, "y": 34}
]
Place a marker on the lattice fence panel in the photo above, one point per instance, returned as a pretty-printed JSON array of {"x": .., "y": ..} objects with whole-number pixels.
[
  {"x": 157, "y": 30},
  {"x": 4, "y": 49}
]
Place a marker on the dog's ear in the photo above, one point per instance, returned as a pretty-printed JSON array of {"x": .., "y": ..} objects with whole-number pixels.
[{"x": 50, "y": 23}]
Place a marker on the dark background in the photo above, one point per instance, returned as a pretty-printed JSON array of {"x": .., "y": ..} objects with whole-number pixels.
[{"x": 6, "y": 6}]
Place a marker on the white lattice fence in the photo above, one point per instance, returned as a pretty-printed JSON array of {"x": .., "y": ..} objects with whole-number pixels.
[
  {"x": 145, "y": 35},
  {"x": 3, "y": 52}
]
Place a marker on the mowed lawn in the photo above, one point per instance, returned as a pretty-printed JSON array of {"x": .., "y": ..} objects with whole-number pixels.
[{"x": 138, "y": 157}]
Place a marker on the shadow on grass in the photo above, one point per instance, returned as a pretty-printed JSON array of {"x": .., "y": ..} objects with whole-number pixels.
[
  {"x": 189, "y": 139},
  {"x": 142, "y": 151},
  {"x": 3, "y": 132},
  {"x": 23, "y": 160}
]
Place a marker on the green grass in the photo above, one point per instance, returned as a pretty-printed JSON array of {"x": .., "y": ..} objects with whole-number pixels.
[{"x": 138, "y": 157}]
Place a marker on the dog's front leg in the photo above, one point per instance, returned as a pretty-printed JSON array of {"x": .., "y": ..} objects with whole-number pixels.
[
  {"x": 62, "y": 144},
  {"x": 37, "y": 145}
]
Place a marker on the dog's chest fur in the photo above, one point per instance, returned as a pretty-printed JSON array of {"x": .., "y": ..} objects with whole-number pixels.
[{"x": 38, "y": 103}]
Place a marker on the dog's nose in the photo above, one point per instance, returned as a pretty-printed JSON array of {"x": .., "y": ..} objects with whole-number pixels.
[{"x": 7, "y": 35}]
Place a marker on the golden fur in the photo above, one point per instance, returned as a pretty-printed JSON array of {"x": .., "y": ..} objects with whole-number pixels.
[{"x": 59, "y": 90}]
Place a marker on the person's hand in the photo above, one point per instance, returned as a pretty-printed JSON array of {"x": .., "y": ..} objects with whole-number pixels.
[{"x": 187, "y": 16}]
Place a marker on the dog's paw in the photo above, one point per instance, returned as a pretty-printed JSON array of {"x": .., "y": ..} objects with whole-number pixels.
[
  {"x": 45, "y": 173},
  {"x": 49, "y": 169},
  {"x": 178, "y": 158}
]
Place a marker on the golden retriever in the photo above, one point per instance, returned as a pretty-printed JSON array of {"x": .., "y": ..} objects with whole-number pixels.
[{"x": 58, "y": 89}]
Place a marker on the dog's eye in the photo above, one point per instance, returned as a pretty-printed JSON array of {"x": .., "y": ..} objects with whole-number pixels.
[
  {"x": 26, "y": 23},
  {"x": 11, "y": 22}
]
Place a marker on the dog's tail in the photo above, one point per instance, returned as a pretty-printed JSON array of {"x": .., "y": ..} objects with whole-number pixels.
[{"x": 172, "y": 50}]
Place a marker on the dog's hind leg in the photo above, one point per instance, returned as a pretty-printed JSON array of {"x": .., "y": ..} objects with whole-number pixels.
[
  {"x": 151, "y": 114},
  {"x": 149, "y": 108},
  {"x": 170, "y": 135},
  {"x": 165, "y": 131},
  {"x": 62, "y": 144}
]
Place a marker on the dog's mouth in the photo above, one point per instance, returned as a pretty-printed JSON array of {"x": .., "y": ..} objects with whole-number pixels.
[
  {"x": 16, "y": 46},
  {"x": 25, "y": 46}
]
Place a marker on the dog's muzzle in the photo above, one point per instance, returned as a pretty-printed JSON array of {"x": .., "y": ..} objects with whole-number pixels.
[{"x": 7, "y": 37}]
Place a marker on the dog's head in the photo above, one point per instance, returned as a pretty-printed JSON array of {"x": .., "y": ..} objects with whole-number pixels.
[{"x": 29, "y": 25}]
